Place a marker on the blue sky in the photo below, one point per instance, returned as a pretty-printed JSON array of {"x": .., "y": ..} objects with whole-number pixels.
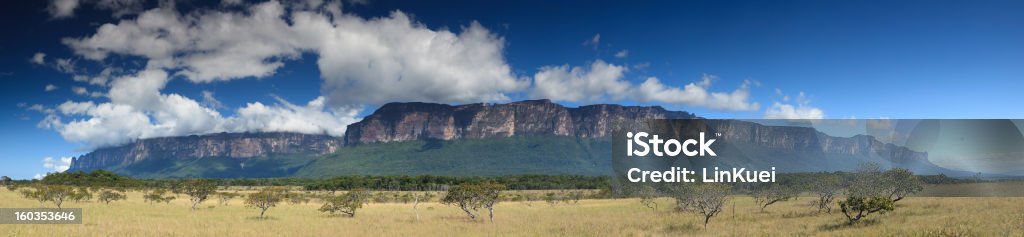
[{"x": 863, "y": 59}]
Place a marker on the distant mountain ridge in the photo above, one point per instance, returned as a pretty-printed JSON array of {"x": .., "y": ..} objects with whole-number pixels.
[
  {"x": 397, "y": 136},
  {"x": 414, "y": 121}
]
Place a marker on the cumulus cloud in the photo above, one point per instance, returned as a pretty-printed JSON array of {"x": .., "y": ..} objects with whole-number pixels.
[
  {"x": 362, "y": 61},
  {"x": 697, "y": 94},
  {"x": 374, "y": 61},
  {"x": 396, "y": 59},
  {"x": 211, "y": 101},
  {"x": 138, "y": 110},
  {"x": 62, "y": 8},
  {"x": 57, "y": 165},
  {"x": 66, "y": 8},
  {"x": 593, "y": 41},
  {"x": 313, "y": 118},
  {"x": 38, "y": 58},
  {"x": 600, "y": 81},
  {"x": 50, "y": 87},
  {"x": 622, "y": 54},
  {"x": 603, "y": 81},
  {"x": 801, "y": 110}
]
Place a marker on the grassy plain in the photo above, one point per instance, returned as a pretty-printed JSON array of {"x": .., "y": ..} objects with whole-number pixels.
[{"x": 914, "y": 216}]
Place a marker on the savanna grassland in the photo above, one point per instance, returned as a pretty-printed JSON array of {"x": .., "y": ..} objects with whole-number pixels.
[{"x": 914, "y": 216}]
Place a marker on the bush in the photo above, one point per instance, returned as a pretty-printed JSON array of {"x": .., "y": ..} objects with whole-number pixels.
[
  {"x": 856, "y": 208},
  {"x": 107, "y": 196},
  {"x": 265, "y": 199},
  {"x": 346, "y": 204},
  {"x": 198, "y": 190},
  {"x": 471, "y": 197}
]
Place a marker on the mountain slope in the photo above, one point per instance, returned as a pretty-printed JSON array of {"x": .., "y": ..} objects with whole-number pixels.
[{"x": 528, "y": 137}]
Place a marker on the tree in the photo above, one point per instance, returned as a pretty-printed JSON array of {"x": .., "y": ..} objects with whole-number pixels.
[
  {"x": 5, "y": 181},
  {"x": 552, "y": 198},
  {"x": 50, "y": 193},
  {"x": 471, "y": 197},
  {"x": 347, "y": 203},
  {"x": 684, "y": 196},
  {"x": 856, "y": 208},
  {"x": 772, "y": 194},
  {"x": 490, "y": 193},
  {"x": 871, "y": 191},
  {"x": 265, "y": 199},
  {"x": 83, "y": 194},
  {"x": 225, "y": 197},
  {"x": 900, "y": 182},
  {"x": 297, "y": 198},
  {"x": 647, "y": 196},
  {"x": 198, "y": 190},
  {"x": 107, "y": 196},
  {"x": 709, "y": 200},
  {"x": 827, "y": 188},
  {"x": 158, "y": 195}
]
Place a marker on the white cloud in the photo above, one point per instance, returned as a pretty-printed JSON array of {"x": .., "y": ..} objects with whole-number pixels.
[
  {"x": 62, "y": 8},
  {"x": 593, "y": 41},
  {"x": 603, "y": 81},
  {"x": 121, "y": 8},
  {"x": 598, "y": 82},
  {"x": 57, "y": 165},
  {"x": 396, "y": 59},
  {"x": 38, "y": 58},
  {"x": 138, "y": 110},
  {"x": 312, "y": 118},
  {"x": 802, "y": 109},
  {"x": 362, "y": 61},
  {"x": 66, "y": 8},
  {"x": 79, "y": 90},
  {"x": 210, "y": 101},
  {"x": 99, "y": 79},
  {"x": 622, "y": 54},
  {"x": 207, "y": 45},
  {"x": 230, "y": 2},
  {"x": 50, "y": 87},
  {"x": 38, "y": 176},
  {"x": 697, "y": 94}
]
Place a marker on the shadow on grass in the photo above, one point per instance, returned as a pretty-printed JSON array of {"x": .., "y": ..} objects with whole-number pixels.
[
  {"x": 265, "y": 218},
  {"x": 683, "y": 228},
  {"x": 800, "y": 214},
  {"x": 848, "y": 225}
]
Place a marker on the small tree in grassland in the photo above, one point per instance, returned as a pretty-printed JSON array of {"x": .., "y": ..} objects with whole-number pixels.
[
  {"x": 709, "y": 199},
  {"x": 471, "y": 197},
  {"x": 648, "y": 195},
  {"x": 827, "y": 188},
  {"x": 158, "y": 195},
  {"x": 50, "y": 193},
  {"x": 265, "y": 199},
  {"x": 347, "y": 203},
  {"x": 772, "y": 194},
  {"x": 869, "y": 192},
  {"x": 107, "y": 196},
  {"x": 198, "y": 190},
  {"x": 224, "y": 198},
  {"x": 856, "y": 208},
  {"x": 900, "y": 183}
]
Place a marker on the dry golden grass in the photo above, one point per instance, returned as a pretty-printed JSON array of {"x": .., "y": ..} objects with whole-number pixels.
[{"x": 915, "y": 216}]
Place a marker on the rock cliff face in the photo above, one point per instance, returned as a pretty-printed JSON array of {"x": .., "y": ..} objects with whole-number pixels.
[
  {"x": 396, "y": 122},
  {"x": 222, "y": 145},
  {"x": 412, "y": 121},
  {"x": 808, "y": 139}
]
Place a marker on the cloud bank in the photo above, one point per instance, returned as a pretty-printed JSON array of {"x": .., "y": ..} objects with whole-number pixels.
[{"x": 363, "y": 62}]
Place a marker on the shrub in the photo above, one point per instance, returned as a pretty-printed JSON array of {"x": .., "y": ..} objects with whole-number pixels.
[{"x": 346, "y": 204}]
